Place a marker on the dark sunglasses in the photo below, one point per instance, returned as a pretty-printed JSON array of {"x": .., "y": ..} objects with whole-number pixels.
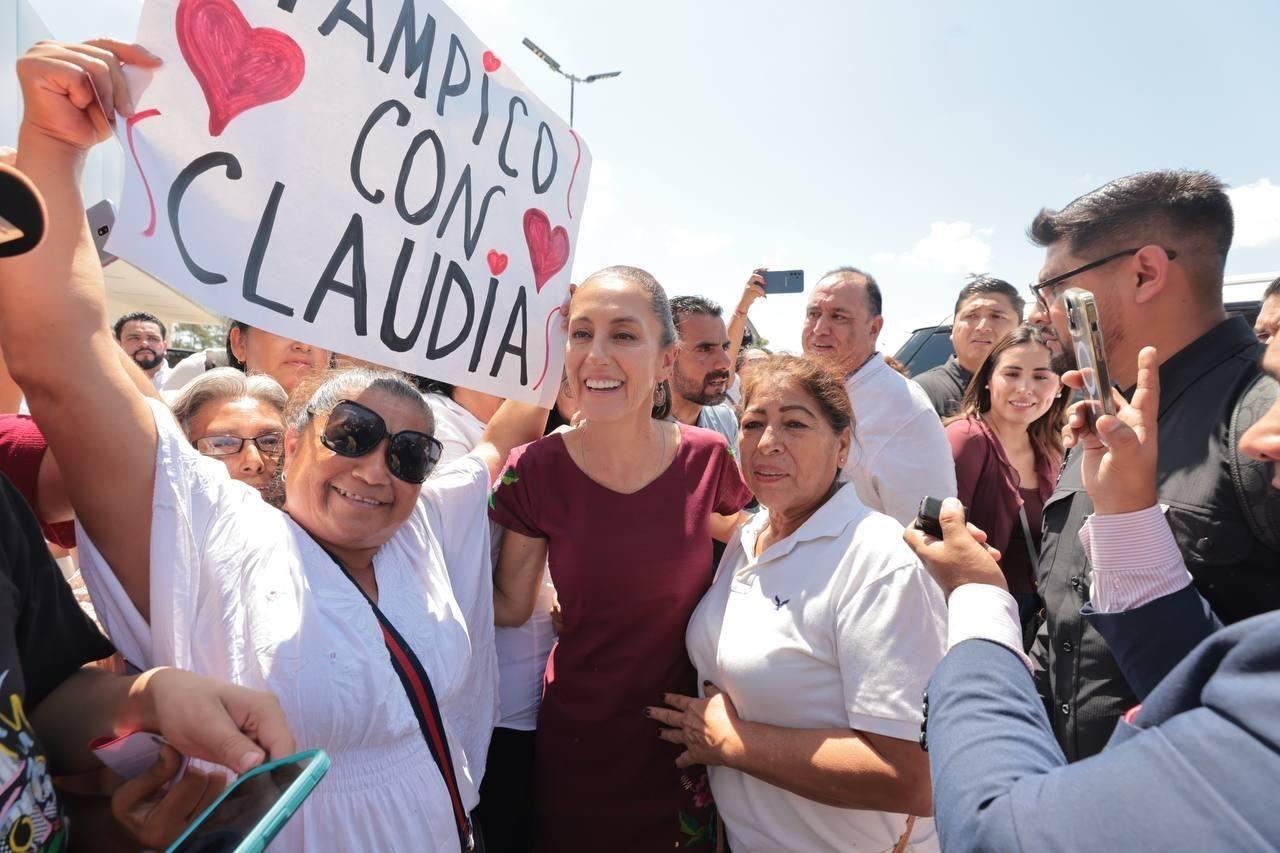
[
  {"x": 354, "y": 430},
  {"x": 269, "y": 444},
  {"x": 1046, "y": 292}
]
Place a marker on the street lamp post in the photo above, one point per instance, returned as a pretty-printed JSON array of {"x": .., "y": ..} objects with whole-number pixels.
[{"x": 573, "y": 79}]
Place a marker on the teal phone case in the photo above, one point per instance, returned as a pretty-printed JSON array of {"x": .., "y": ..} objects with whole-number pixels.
[{"x": 257, "y": 839}]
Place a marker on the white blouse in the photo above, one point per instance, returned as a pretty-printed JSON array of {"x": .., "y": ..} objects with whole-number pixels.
[
  {"x": 836, "y": 626},
  {"x": 241, "y": 592},
  {"x": 522, "y": 650}
]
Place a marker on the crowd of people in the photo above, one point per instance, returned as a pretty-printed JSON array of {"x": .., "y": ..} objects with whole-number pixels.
[{"x": 690, "y": 606}]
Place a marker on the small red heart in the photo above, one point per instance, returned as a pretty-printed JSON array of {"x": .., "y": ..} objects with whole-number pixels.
[
  {"x": 238, "y": 67},
  {"x": 497, "y": 262},
  {"x": 491, "y": 62},
  {"x": 548, "y": 247}
]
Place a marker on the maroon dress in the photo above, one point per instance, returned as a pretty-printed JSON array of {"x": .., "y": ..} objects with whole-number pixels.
[{"x": 629, "y": 571}]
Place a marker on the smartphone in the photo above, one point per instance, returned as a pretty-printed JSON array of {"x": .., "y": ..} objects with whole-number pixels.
[
  {"x": 1091, "y": 355},
  {"x": 102, "y": 220},
  {"x": 927, "y": 516},
  {"x": 783, "y": 281},
  {"x": 250, "y": 812}
]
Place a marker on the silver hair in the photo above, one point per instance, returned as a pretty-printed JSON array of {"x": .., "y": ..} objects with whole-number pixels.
[
  {"x": 346, "y": 383},
  {"x": 225, "y": 383}
]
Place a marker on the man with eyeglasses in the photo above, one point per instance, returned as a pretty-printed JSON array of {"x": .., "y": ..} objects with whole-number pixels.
[
  {"x": 1268, "y": 322},
  {"x": 1151, "y": 248}
]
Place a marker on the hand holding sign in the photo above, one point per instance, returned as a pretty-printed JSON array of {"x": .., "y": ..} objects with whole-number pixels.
[{"x": 358, "y": 176}]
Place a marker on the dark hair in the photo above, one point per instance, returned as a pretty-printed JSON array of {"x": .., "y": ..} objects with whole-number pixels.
[
  {"x": 140, "y": 317},
  {"x": 683, "y": 306},
  {"x": 984, "y": 284},
  {"x": 1273, "y": 289},
  {"x": 661, "y": 308},
  {"x": 874, "y": 300},
  {"x": 658, "y": 301},
  {"x": 1046, "y": 430},
  {"x": 1177, "y": 209},
  {"x": 826, "y": 389}
]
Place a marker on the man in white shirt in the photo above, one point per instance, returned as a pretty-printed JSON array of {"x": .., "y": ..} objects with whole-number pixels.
[
  {"x": 145, "y": 340},
  {"x": 900, "y": 452}
]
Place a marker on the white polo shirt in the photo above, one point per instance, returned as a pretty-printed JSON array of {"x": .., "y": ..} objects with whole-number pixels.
[
  {"x": 837, "y": 626},
  {"x": 900, "y": 451}
]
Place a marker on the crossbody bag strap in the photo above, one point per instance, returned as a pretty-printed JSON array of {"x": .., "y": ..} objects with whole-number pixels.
[
  {"x": 417, "y": 687},
  {"x": 1030, "y": 543}
]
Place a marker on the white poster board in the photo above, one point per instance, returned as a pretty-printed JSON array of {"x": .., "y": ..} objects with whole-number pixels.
[{"x": 361, "y": 175}]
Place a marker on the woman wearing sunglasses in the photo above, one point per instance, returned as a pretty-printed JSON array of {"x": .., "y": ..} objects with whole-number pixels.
[
  {"x": 340, "y": 604},
  {"x": 238, "y": 420}
]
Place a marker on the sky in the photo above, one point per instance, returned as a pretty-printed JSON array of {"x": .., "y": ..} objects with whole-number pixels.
[{"x": 913, "y": 140}]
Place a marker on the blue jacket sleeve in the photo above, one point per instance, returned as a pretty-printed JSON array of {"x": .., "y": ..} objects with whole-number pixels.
[
  {"x": 1001, "y": 783},
  {"x": 1150, "y": 640}
]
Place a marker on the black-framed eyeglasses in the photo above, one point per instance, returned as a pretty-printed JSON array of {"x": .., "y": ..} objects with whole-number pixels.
[
  {"x": 269, "y": 444},
  {"x": 354, "y": 430},
  {"x": 1046, "y": 292}
]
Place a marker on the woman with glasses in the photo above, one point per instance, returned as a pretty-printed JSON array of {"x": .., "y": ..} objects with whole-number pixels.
[
  {"x": 238, "y": 420},
  {"x": 340, "y": 604}
]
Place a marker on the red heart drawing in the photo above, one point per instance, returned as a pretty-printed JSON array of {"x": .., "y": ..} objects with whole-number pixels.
[
  {"x": 497, "y": 262},
  {"x": 238, "y": 67},
  {"x": 548, "y": 247},
  {"x": 491, "y": 62}
]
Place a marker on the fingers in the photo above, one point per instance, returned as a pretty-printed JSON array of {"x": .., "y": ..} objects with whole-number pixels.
[
  {"x": 8, "y": 156},
  {"x": 184, "y": 800},
  {"x": 979, "y": 535},
  {"x": 666, "y": 716},
  {"x": 1073, "y": 379},
  {"x": 685, "y": 759},
  {"x": 134, "y": 54},
  {"x": 108, "y": 78},
  {"x": 1146, "y": 395},
  {"x": 709, "y": 689},
  {"x": 252, "y": 713},
  {"x": 952, "y": 520},
  {"x": 672, "y": 736},
  {"x": 676, "y": 700},
  {"x": 915, "y": 539},
  {"x": 146, "y": 783}
]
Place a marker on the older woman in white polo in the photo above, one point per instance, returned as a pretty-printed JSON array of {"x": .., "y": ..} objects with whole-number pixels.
[{"x": 813, "y": 645}]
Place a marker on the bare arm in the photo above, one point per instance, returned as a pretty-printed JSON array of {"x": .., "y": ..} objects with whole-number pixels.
[
  {"x": 516, "y": 582},
  {"x": 838, "y": 767},
  {"x": 738, "y": 322},
  {"x": 52, "y": 314}
]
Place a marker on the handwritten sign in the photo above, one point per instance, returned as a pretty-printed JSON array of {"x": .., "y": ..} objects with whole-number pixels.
[{"x": 361, "y": 175}]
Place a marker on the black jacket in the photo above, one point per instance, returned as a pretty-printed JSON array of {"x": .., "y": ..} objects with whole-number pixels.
[
  {"x": 945, "y": 385},
  {"x": 1236, "y": 573}
]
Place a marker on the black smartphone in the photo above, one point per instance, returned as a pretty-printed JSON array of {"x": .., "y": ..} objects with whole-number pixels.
[
  {"x": 783, "y": 281},
  {"x": 102, "y": 219},
  {"x": 1091, "y": 354},
  {"x": 927, "y": 516}
]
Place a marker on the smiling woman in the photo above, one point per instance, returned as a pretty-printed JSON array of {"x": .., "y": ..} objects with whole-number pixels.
[
  {"x": 622, "y": 505},
  {"x": 1007, "y": 446},
  {"x": 342, "y": 604}
]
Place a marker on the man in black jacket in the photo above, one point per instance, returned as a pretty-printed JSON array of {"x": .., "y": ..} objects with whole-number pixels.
[{"x": 1151, "y": 248}]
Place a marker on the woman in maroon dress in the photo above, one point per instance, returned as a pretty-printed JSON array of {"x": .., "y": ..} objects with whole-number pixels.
[{"x": 621, "y": 509}]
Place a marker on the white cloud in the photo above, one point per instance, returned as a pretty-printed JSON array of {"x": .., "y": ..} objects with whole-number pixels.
[
  {"x": 1257, "y": 209},
  {"x": 949, "y": 247}
]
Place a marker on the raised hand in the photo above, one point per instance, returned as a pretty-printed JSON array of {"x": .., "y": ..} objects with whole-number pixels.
[
  {"x": 72, "y": 92},
  {"x": 1119, "y": 452}
]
